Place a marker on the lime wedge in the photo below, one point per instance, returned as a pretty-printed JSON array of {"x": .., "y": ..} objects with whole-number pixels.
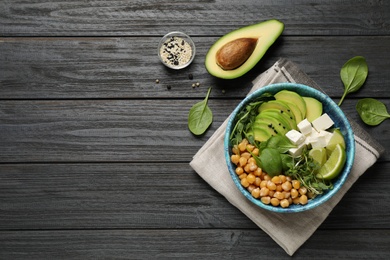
[
  {"x": 334, "y": 164},
  {"x": 337, "y": 138},
  {"x": 318, "y": 155}
]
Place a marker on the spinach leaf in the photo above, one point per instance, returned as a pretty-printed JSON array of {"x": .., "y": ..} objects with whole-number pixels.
[
  {"x": 353, "y": 75},
  {"x": 271, "y": 161},
  {"x": 372, "y": 111},
  {"x": 280, "y": 143},
  {"x": 200, "y": 116}
]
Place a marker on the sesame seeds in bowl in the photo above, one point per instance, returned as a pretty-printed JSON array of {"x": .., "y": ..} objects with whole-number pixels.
[{"x": 176, "y": 50}]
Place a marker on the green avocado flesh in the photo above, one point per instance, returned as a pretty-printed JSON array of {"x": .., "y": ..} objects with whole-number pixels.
[
  {"x": 266, "y": 32},
  {"x": 291, "y": 96},
  {"x": 277, "y": 104},
  {"x": 313, "y": 108}
]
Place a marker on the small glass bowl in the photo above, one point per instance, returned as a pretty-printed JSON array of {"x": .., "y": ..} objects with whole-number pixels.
[{"x": 184, "y": 41}]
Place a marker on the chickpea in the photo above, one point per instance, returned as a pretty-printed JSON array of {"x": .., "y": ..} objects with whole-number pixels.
[
  {"x": 251, "y": 160},
  {"x": 243, "y": 161},
  {"x": 271, "y": 185},
  {"x": 242, "y": 145},
  {"x": 244, "y": 182},
  {"x": 279, "y": 187},
  {"x": 253, "y": 167},
  {"x": 295, "y": 201},
  {"x": 246, "y": 155},
  {"x": 258, "y": 172},
  {"x": 302, "y": 190},
  {"x": 279, "y": 195},
  {"x": 256, "y": 193},
  {"x": 294, "y": 193},
  {"x": 267, "y": 177},
  {"x": 255, "y": 151},
  {"x": 296, "y": 184},
  {"x": 266, "y": 200},
  {"x": 303, "y": 199},
  {"x": 284, "y": 203},
  {"x": 247, "y": 168},
  {"x": 235, "y": 158},
  {"x": 276, "y": 180},
  {"x": 275, "y": 202},
  {"x": 251, "y": 187},
  {"x": 264, "y": 192},
  {"x": 250, "y": 147},
  {"x": 257, "y": 181},
  {"x": 242, "y": 176},
  {"x": 251, "y": 178},
  {"x": 235, "y": 150},
  {"x": 239, "y": 170},
  {"x": 286, "y": 186}
]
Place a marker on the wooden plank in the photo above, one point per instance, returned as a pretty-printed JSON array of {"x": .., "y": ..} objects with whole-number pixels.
[
  {"x": 192, "y": 244},
  {"x": 114, "y": 130},
  {"x": 59, "y": 18},
  {"x": 82, "y": 68},
  {"x": 153, "y": 195}
]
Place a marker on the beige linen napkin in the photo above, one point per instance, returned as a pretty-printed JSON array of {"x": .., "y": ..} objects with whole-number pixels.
[{"x": 290, "y": 231}]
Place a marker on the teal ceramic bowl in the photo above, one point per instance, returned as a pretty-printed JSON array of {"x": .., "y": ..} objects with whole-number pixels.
[{"x": 329, "y": 107}]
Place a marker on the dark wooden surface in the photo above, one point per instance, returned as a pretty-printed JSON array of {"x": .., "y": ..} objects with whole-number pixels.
[{"x": 94, "y": 155}]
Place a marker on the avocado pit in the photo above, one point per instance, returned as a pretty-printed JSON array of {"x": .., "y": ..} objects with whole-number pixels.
[{"x": 234, "y": 53}]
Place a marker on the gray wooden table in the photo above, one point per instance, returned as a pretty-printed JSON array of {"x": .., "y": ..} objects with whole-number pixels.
[{"x": 94, "y": 154}]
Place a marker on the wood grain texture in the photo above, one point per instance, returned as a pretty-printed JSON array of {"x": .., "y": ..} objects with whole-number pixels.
[
  {"x": 82, "y": 68},
  {"x": 94, "y": 155},
  {"x": 129, "y": 18},
  {"x": 184, "y": 243},
  {"x": 152, "y": 195},
  {"x": 116, "y": 130}
]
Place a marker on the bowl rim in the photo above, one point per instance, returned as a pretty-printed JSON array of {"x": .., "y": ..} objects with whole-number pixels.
[
  {"x": 187, "y": 38},
  {"x": 349, "y": 138}
]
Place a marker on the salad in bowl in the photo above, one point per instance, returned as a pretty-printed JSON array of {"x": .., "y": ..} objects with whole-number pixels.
[{"x": 288, "y": 147}]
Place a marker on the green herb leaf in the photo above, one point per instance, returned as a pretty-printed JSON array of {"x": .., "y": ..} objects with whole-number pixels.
[
  {"x": 353, "y": 75},
  {"x": 246, "y": 117},
  {"x": 200, "y": 116},
  {"x": 304, "y": 169},
  {"x": 372, "y": 111}
]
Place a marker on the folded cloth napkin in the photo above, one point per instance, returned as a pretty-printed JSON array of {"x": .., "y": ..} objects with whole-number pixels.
[{"x": 291, "y": 230}]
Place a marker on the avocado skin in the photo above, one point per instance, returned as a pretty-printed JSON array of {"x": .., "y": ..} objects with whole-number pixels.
[{"x": 267, "y": 32}]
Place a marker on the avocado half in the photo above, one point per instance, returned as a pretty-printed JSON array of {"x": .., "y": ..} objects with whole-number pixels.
[{"x": 266, "y": 33}]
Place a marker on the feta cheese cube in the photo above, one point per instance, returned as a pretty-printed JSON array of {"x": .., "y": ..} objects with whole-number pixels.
[
  {"x": 295, "y": 137},
  {"x": 327, "y": 136},
  {"x": 304, "y": 127},
  {"x": 312, "y": 137},
  {"x": 294, "y": 152},
  {"x": 323, "y": 122},
  {"x": 320, "y": 142}
]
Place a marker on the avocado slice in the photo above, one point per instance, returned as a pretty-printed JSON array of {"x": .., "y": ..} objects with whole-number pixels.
[
  {"x": 281, "y": 117},
  {"x": 277, "y": 104},
  {"x": 264, "y": 33},
  {"x": 294, "y": 98},
  {"x": 313, "y": 108},
  {"x": 272, "y": 123},
  {"x": 296, "y": 111},
  {"x": 261, "y": 134}
]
